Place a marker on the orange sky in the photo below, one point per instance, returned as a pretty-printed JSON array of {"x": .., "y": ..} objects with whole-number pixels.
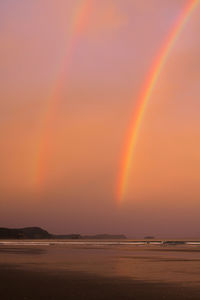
[{"x": 109, "y": 63}]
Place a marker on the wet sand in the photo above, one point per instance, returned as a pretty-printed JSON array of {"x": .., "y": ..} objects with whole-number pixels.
[
  {"x": 18, "y": 284},
  {"x": 74, "y": 272}
]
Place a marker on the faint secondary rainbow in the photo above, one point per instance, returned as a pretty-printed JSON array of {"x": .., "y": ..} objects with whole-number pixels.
[
  {"x": 146, "y": 94},
  {"x": 78, "y": 24}
]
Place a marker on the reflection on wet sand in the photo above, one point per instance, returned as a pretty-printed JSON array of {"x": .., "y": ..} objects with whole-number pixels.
[
  {"x": 98, "y": 271},
  {"x": 172, "y": 263}
]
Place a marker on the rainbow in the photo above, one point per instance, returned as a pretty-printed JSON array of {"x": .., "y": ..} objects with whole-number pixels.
[
  {"x": 146, "y": 94},
  {"x": 78, "y": 24}
]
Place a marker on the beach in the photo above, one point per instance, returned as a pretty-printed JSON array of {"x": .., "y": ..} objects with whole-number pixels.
[{"x": 98, "y": 271}]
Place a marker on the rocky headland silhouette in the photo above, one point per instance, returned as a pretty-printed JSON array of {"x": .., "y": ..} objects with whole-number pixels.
[{"x": 39, "y": 233}]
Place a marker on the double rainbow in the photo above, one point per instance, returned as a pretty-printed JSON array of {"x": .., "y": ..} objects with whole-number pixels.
[{"x": 146, "y": 94}]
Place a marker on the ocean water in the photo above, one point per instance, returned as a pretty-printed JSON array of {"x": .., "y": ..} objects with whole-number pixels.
[{"x": 152, "y": 261}]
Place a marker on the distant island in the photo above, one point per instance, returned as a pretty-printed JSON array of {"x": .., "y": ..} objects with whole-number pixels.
[{"x": 39, "y": 233}]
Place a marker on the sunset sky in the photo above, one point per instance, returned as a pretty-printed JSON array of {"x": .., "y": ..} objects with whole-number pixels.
[{"x": 71, "y": 73}]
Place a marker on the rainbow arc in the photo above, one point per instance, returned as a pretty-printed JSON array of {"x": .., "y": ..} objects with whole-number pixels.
[
  {"x": 146, "y": 94},
  {"x": 75, "y": 29}
]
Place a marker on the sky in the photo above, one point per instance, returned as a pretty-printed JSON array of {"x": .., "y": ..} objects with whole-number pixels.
[{"x": 71, "y": 73}]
